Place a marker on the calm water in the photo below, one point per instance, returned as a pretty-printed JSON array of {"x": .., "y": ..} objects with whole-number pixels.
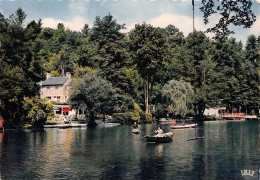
[{"x": 116, "y": 153}]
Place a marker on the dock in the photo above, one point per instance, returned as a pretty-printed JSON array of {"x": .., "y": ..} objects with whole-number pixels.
[
  {"x": 237, "y": 116},
  {"x": 64, "y": 126}
]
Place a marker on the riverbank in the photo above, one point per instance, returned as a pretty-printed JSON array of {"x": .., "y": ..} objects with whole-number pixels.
[{"x": 71, "y": 125}]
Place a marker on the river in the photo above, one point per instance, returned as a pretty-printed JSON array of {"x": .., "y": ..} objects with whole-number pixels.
[{"x": 228, "y": 148}]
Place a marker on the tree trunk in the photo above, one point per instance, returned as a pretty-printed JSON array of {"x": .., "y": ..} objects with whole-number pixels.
[
  {"x": 92, "y": 122},
  {"x": 146, "y": 96},
  {"x": 201, "y": 109}
]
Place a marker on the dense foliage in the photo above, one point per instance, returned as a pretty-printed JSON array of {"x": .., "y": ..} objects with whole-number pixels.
[
  {"x": 177, "y": 97},
  {"x": 127, "y": 74},
  {"x": 94, "y": 94},
  {"x": 20, "y": 68},
  {"x": 39, "y": 111}
]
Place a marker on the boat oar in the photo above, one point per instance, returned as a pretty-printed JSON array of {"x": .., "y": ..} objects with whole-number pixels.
[
  {"x": 195, "y": 138},
  {"x": 147, "y": 134}
]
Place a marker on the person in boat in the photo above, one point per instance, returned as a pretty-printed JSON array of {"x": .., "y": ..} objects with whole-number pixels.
[
  {"x": 174, "y": 123},
  {"x": 159, "y": 132},
  {"x": 183, "y": 122},
  {"x": 135, "y": 126}
]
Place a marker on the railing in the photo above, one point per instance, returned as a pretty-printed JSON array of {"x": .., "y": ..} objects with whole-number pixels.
[{"x": 233, "y": 115}]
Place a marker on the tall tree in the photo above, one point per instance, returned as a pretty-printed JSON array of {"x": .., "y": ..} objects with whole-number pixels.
[
  {"x": 252, "y": 48},
  {"x": 93, "y": 94},
  {"x": 20, "y": 70},
  {"x": 174, "y": 36},
  {"x": 149, "y": 48},
  {"x": 178, "y": 97},
  {"x": 196, "y": 67},
  {"x": 111, "y": 47},
  {"x": 228, "y": 80}
]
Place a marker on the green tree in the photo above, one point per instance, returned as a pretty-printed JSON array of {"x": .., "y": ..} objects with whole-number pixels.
[
  {"x": 249, "y": 95},
  {"x": 178, "y": 97},
  {"x": 93, "y": 94},
  {"x": 150, "y": 55},
  {"x": 111, "y": 47},
  {"x": 174, "y": 36},
  {"x": 86, "y": 54},
  {"x": 252, "y": 48},
  {"x": 20, "y": 69},
  {"x": 85, "y": 31},
  {"x": 39, "y": 111},
  {"x": 194, "y": 64},
  {"x": 236, "y": 81}
]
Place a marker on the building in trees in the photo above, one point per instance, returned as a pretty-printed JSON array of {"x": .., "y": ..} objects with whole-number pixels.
[{"x": 56, "y": 89}]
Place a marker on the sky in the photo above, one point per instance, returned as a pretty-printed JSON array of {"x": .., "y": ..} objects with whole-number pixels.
[{"x": 74, "y": 14}]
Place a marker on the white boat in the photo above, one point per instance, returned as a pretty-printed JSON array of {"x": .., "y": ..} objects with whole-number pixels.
[
  {"x": 183, "y": 126},
  {"x": 136, "y": 131},
  {"x": 111, "y": 124},
  {"x": 163, "y": 138}
]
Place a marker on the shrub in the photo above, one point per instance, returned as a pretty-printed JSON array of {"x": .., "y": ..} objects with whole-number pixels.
[
  {"x": 148, "y": 117},
  {"x": 39, "y": 111}
]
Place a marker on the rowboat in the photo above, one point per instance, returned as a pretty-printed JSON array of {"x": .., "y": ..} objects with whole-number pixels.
[
  {"x": 167, "y": 137},
  {"x": 165, "y": 121},
  {"x": 183, "y": 126},
  {"x": 136, "y": 131},
  {"x": 111, "y": 124}
]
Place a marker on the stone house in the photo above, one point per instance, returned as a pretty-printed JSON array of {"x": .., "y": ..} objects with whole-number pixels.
[
  {"x": 217, "y": 111},
  {"x": 56, "y": 89}
]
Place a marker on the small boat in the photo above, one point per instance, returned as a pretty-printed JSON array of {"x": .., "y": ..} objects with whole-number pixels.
[
  {"x": 183, "y": 126},
  {"x": 167, "y": 137},
  {"x": 111, "y": 124},
  {"x": 165, "y": 121},
  {"x": 136, "y": 131}
]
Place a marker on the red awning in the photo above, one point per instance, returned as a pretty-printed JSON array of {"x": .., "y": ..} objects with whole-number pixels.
[{"x": 66, "y": 109}]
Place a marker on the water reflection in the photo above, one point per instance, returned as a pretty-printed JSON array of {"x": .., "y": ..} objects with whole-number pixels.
[
  {"x": 116, "y": 153},
  {"x": 1, "y": 137}
]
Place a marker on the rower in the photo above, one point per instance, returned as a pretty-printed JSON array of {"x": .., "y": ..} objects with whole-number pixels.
[
  {"x": 135, "y": 126},
  {"x": 159, "y": 132},
  {"x": 174, "y": 123}
]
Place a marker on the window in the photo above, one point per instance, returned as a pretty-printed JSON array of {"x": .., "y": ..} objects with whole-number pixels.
[
  {"x": 58, "y": 97},
  {"x": 48, "y": 97},
  {"x": 48, "y": 89},
  {"x": 58, "y": 111}
]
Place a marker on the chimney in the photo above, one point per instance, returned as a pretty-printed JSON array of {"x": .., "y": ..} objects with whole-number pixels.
[
  {"x": 68, "y": 74},
  {"x": 48, "y": 75}
]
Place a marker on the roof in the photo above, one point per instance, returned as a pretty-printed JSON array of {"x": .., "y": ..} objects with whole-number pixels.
[{"x": 53, "y": 81}]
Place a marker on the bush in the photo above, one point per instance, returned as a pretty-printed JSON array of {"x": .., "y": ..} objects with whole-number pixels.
[
  {"x": 118, "y": 117},
  {"x": 126, "y": 118},
  {"x": 159, "y": 111},
  {"x": 148, "y": 117},
  {"x": 39, "y": 111}
]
